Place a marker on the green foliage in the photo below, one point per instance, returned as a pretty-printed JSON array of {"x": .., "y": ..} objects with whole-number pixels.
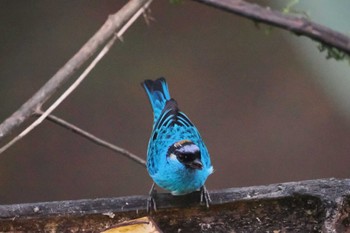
[
  {"x": 333, "y": 53},
  {"x": 289, "y": 9}
]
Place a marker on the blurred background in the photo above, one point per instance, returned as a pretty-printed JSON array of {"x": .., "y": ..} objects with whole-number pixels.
[{"x": 270, "y": 108}]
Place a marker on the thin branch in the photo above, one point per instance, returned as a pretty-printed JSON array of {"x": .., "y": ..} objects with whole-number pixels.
[
  {"x": 75, "y": 84},
  {"x": 61, "y": 98},
  {"x": 297, "y": 25},
  {"x": 94, "y": 139},
  {"x": 114, "y": 23}
]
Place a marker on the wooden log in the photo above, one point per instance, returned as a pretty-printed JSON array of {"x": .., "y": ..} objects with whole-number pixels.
[{"x": 306, "y": 206}]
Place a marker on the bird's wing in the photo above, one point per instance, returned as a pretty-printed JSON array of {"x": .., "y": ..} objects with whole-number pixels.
[{"x": 171, "y": 115}]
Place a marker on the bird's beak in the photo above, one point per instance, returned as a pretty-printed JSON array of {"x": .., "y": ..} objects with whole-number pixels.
[{"x": 196, "y": 164}]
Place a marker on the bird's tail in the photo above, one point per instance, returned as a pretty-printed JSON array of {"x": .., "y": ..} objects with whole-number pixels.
[{"x": 158, "y": 94}]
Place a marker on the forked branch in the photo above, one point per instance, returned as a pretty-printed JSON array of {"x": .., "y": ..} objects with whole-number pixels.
[
  {"x": 34, "y": 104},
  {"x": 115, "y": 23},
  {"x": 120, "y": 21}
]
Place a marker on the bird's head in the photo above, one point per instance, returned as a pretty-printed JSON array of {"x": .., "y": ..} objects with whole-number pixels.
[{"x": 187, "y": 153}]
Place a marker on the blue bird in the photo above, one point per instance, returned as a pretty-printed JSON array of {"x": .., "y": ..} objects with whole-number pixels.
[{"x": 177, "y": 158}]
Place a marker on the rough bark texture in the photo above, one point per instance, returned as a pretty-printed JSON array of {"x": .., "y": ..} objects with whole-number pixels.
[{"x": 306, "y": 206}]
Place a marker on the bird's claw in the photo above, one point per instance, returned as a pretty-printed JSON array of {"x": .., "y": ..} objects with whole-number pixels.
[
  {"x": 151, "y": 201},
  {"x": 205, "y": 197}
]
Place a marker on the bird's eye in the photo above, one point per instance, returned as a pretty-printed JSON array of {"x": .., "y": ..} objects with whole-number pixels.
[{"x": 186, "y": 157}]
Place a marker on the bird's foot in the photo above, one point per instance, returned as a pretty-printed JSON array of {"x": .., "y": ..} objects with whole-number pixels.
[
  {"x": 151, "y": 201},
  {"x": 205, "y": 197}
]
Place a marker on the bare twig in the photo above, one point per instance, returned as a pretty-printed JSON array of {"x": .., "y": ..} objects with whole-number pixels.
[
  {"x": 297, "y": 25},
  {"x": 115, "y": 22},
  {"x": 61, "y": 98},
  {"x": 73, "y": 86},
  {"x": 93, "y": 138}
]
